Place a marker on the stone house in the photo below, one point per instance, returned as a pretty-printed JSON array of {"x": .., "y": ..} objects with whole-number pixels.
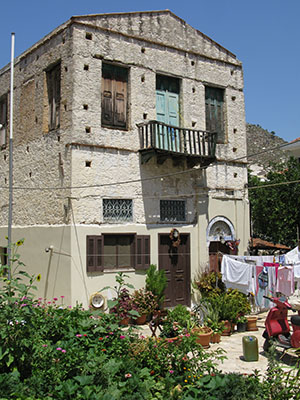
[{"x": 129, "y": 134}]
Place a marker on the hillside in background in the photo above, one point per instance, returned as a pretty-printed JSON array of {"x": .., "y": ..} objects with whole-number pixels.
[{"x": 259, "y": 139}]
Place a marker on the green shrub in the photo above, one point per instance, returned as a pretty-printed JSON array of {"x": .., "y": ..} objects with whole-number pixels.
[{"x": 156, "y": 282}]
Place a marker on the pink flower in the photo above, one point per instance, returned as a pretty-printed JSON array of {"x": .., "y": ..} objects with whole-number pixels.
[
  {"x": 55, "y": 299},
  {"x": 44, "y": 345},
  {"x": 171, "y": 371},
  {"x": 62, "y": 297},
  {"x": 23, "y": 305},
  {"x": 64, "y": 351},
  {"x": 122, "y": 337},
  {"x": 58, "y": 348},
  {"x": 187, "y": 335},
  {"x": 78, "y": 335},
  {"x": 111, "y": 333},
  {"x": 128, "y": 375}
]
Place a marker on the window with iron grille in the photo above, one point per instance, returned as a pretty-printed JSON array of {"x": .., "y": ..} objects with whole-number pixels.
[
  {"x": 172, "y": 210},
  {"x": 117, "y": 209}
]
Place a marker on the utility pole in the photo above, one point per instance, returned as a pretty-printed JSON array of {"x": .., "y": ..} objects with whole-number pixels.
[{"x": 11, "y": 116}]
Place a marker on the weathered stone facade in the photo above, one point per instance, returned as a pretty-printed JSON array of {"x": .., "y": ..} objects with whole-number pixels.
[{"x": 61, "y": 176}]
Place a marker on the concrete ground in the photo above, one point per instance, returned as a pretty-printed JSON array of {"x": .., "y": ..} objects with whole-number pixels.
[{"x": 233, "y": 347}]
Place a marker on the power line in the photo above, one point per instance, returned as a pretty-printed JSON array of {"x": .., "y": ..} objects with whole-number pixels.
[{"x": 144, "y": 179}]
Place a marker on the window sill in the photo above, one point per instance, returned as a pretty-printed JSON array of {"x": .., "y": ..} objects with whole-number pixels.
[{"x": 115, "y": 270}]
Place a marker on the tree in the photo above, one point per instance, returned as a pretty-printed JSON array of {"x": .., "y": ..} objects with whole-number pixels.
[{"x": 275, "y": 204}]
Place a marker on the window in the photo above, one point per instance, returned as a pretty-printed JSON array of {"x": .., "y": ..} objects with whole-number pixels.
[
  {"x": 117, "y": 210},
  {"x": 3, "y": 122},
  {"x": 53, "y": 89},
  {"x": 172, "y": 210},
  {"x": 110, "y": 251},
  {"x": 214, "y": 110},
  {"x": 114, "y": 96}
]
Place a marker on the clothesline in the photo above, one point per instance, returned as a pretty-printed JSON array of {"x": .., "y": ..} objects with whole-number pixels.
[{"x": 262, "y": 275}]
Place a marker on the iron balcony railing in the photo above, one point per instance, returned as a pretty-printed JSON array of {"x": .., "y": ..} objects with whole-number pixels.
[{"x": 160, "y": 136}]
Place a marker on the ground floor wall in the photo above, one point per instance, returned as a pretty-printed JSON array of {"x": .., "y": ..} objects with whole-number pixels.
[
  {"x": 46, "y": 251},
  {"x": 59, "y": 253}
]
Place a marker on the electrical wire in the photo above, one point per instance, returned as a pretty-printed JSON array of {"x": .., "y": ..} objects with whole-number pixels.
[{"x": 143, "y": 179}]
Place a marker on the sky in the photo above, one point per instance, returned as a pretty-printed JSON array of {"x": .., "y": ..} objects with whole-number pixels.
[{"x": 263, "y": 34}]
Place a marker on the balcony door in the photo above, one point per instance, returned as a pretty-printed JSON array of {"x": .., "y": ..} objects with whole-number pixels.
[{"x": 167, "y": 111}]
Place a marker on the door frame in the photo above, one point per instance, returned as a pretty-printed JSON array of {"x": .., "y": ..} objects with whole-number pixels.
[{"x": 188, "y": 266}]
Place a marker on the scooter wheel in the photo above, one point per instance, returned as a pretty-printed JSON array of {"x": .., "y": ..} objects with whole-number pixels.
[{"x": 266, "y": 345}]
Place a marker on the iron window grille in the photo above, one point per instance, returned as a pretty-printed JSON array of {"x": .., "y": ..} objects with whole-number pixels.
[
  {"x": 172, "y": 210},
  {"x": 117, "y": 210}
]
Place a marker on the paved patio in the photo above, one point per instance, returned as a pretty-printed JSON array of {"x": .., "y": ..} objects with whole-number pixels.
[{"x": 233, "y": 347}]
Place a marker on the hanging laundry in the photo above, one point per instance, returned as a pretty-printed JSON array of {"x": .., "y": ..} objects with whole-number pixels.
[
  {"x": 236, "y": 274},
  {"x": 265, "y": 285},
  {"x": 285, "y": 281}
]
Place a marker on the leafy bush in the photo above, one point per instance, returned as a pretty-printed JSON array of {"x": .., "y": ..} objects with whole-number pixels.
[
  {"x": 210, "y": 284},
  {"x": 156, "y": 282}
]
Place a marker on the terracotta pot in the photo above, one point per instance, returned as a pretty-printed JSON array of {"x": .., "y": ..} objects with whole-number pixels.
[
  {"x": 203, "y": 338},
  {"x": 215, "y": 338},
  {"x": 141, "y": 320},
  {"x": 227, "y": 328},
  {"x": 124, "y": 321},
  {"x": 251, "y": 323}
]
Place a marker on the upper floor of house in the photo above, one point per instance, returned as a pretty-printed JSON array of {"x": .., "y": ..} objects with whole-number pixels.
[{"x": 146, "y": 82}]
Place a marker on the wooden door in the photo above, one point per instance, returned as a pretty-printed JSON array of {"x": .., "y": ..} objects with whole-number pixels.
[{"x": 176, "y": 263}]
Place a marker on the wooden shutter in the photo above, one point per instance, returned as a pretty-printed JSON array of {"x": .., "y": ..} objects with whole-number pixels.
[
  {"x": 142, "y": 252},
  {"x": 214, "y": 100},
  {"x": 94, "y": 252},
  {"x": 114, "y": 96},
  {"x": 107, "y": 95},
  {"x": 53, "y": 87},
  {"x": 3, "y": 122}
]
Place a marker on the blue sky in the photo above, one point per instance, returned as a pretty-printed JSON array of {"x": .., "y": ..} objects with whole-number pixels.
[{"x": 264, "y": 35}]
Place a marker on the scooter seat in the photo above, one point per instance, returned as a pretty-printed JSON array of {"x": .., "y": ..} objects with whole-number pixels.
[{"x": 295, "y": 320}]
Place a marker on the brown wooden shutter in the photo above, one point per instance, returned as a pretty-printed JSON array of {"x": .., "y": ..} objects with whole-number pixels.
[
  {"x": 120, "y": 97},
  {"x": 114, "y": 96},
  {"x": 94, "y": 252},
  {"x": 107, "y": 95},
  {"x": 142, "y": 252}
]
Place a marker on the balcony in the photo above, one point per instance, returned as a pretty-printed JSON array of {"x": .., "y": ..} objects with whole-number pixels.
[{"x": 165, "y": 141}]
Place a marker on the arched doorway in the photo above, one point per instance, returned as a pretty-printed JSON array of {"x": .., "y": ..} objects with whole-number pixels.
[{"x": 219, "y": 234}]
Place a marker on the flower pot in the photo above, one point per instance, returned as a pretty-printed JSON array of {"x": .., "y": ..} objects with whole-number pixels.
[
  {"x": 251, "y": 323},
  {"x": 227, "y": 328},
  {"x": 203, "y": 336},
  {"x": 141, "y": 320},
  {"x": 241, "y": 326},
  {"x": 124, "y": 321},
  {"x": 215, "y": 338}
]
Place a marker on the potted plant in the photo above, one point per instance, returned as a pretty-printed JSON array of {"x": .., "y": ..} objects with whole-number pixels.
[
  {"x": 208, "y": 314},
  {"x": 145, "y": 303},
  {"x": 241, "y": 324},
  {"x": 176, "y": 322},
  {"x": 156, "y": 282},
  {"x": 203, "y": 335},
  {"x": 121, "y": 304}
]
